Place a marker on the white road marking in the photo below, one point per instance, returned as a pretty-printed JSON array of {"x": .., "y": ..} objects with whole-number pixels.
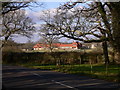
[
  {"x": 53, "y": 81},
  {"x": 37, "y": 74},
  {"x": 62, "y": 84}
]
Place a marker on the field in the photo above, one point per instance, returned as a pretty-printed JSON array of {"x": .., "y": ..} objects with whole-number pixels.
[{"x": 100, "y": 71}]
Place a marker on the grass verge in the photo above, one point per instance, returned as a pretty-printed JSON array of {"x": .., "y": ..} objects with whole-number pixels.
[{"x": 111, "y": 73}]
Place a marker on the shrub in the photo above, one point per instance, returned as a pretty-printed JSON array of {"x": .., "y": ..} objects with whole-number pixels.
[{"x": 51, "y": 57}]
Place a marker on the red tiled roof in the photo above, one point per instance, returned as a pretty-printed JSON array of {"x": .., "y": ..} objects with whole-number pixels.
[
  {"x": 74, "y": 44},
  {"x": 67, "y": 45}
]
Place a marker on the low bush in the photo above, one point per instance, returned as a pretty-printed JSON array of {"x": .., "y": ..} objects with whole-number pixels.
[{"x": 51, "y": 57}]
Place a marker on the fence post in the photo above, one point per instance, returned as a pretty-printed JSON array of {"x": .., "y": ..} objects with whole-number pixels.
[
  {"x": 91, "y": 67},
  {"x": 106, "y": 67}
]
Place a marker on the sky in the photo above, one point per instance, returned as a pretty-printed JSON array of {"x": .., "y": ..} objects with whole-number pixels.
[{"x": 35, "y": 14}]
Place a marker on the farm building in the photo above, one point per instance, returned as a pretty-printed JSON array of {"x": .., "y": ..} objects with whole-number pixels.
[{"x": 74, "y": 45}]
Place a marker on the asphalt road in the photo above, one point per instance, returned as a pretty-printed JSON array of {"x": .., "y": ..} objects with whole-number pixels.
[{"x": 20, "y": 77}]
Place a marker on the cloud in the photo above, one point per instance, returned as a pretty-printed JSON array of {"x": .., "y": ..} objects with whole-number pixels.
[
  {"x": 36, "y": 15},
  {"x": 32, "y": 15},
  {"x": 37, "y": 25},
  {"x": 43, "y": 12}
]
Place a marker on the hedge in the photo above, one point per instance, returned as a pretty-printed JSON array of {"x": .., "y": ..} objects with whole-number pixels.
[{"x": 52, "y": 57}]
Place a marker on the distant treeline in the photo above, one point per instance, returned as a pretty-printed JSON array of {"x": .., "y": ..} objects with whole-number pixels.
[{"x": 52, "y": 57}]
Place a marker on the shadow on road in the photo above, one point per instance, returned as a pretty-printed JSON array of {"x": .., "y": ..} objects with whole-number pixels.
[{"x": 19, "y": 77}]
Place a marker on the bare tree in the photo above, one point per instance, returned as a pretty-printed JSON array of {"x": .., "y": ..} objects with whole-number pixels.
[
  {"x": 12, "y": 6},
  {"x": 48, "y": 40},
  {"x": 98, "y": 19},
  {"x": 112, "y": 27},
  {"x": 45, "y": 30},
  {"x": 111, "y": 21},
  {"x": 80, "y": 24},
  {"x": 75, "y": 24},
  {"x": 14, "y": 23}
]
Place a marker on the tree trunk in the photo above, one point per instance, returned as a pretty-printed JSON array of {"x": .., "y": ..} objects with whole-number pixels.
[
  {"x": 114, "y": 37},
  {"x": 115, "y": 12},
  {"x": 105, "y": 52}
]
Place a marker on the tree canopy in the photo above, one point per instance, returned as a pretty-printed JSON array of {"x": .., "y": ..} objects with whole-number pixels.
[{"x": 97, "y": 22}]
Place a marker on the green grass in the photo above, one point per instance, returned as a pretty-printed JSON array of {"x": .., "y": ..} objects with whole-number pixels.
[{"x": 97, "y": 71}]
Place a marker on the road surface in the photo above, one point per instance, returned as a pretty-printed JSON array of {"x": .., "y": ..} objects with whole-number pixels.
[{"x": 20, "y": 77}]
